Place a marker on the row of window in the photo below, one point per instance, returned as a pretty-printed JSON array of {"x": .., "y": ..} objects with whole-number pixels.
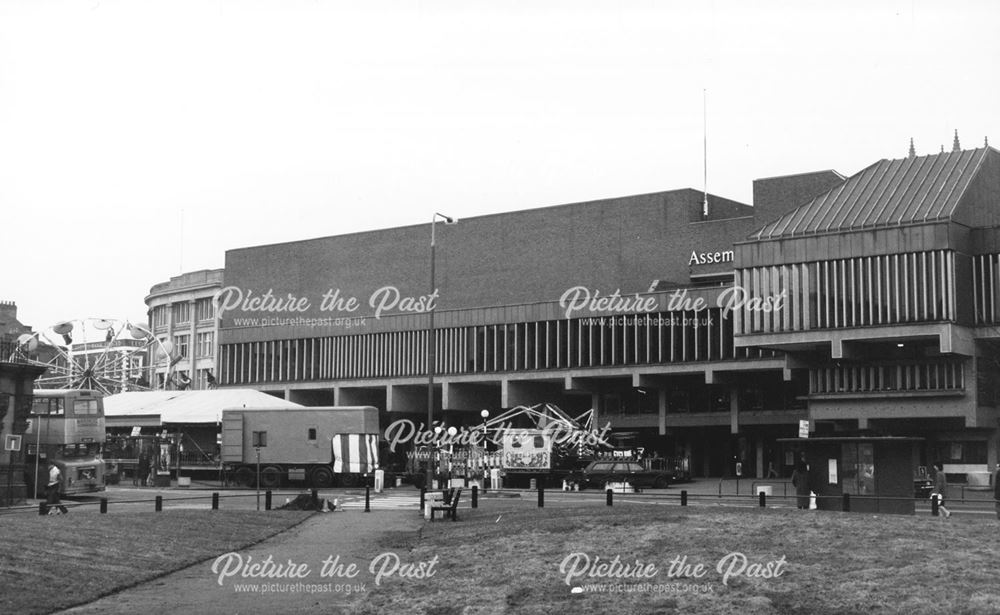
[
  {"x": 850, "y": 292},
  {"x": 943, "y": 375},
  {"x": 204, "y": 344},
  {"x": 986, "y": 275},
  {"x": 181, "y": 312},
  {"x": 667, "y": 337}
]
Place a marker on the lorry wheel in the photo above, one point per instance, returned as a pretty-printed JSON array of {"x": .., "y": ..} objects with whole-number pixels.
[
  {"x": 270, "y": 477},
  {"x": 322, "y": 478},
  {"x": 244, "y": 477},
  {"x": 350, "y": 480}
]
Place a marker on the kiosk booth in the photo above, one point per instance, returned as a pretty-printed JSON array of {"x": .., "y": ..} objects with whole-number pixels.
[{"x": 875, "y": 471}]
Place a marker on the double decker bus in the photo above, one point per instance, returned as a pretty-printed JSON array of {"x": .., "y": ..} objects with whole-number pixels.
[{"x": 66, "y": 427}]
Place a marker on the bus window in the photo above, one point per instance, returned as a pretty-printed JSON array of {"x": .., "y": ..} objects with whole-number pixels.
[
  {"x": 85, "y": 406},
  {"x": 47, "y": 405}
]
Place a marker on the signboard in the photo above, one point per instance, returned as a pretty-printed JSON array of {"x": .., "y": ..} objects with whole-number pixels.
[
  {"x": 803, "y": 429},
  {"x": 12, "y": 443},
  {"x": 527, "y": 449},
  {"x": 135, "y": 431}
]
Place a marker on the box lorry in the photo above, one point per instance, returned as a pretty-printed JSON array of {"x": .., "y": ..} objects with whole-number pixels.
[{"x": 322, "y": 446}]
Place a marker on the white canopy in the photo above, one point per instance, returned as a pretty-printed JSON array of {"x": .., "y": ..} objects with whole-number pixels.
[{"x": 159, "y": 407}]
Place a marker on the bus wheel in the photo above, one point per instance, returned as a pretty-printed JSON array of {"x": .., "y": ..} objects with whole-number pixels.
[
  {"x": 322, "y": 478},
  {"x": 270, "y": 477},
  {"x": 350, "y": 480},
  {"x": 244, "y": 477}
]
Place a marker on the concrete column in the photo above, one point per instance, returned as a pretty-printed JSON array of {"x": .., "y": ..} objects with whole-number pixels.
[
  {"x": 595, "y": 403},
  {"x": 193, "y": 358},
  {"x": 662, "y": 400},
  {"x": 734, "y": 410}
]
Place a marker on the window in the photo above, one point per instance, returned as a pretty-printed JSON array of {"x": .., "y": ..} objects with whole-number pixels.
[
  {"x": 182, "y": 312},
  {"x": 181, "y": 343},
  {"x": 47, "y": 405},
  {"x": 160, "y": 316},
  {"x": 83, "y": 407},
  {"x": 203, "y": 309},
  {"x": 312, "y": 434},
  {"x": 205, "y": 343}
]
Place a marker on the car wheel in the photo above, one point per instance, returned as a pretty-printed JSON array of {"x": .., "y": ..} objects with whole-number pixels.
[{"x": 662, "y": 482}]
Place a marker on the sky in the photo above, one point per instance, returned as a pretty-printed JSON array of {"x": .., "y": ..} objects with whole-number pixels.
[{"x": 142, "y": 139}]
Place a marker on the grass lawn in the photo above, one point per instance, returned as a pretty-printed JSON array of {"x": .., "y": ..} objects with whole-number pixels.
[
  {"x": 834, "y": 562},
  {"x": 54, "y": 562}
]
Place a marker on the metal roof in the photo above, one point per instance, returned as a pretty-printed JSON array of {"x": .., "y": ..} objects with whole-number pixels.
[
  {"x": 188, "y": 406},
  {"x": 887, "y": 193}
]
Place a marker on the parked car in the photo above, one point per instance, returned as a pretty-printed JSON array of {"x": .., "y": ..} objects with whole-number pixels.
[{"x": 598, "y": 473}]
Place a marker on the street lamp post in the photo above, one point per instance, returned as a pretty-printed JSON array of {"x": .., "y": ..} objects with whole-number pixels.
[{"x": 431, "y": 355}]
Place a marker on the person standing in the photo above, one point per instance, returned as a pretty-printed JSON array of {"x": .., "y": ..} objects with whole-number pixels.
[
  {"x": 941, "y": 488},
  {"x": 52, "y": 491},
  {"x": 143, "y": 470},
  {"x": 800, "y": 480}
]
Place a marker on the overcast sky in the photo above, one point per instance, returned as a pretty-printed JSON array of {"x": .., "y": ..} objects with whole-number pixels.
[{"x": 142, "y": 139}]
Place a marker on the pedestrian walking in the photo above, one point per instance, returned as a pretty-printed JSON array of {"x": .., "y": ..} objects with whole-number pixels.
[
  {"x": 940, "y": 489},
  {"x": 800, "y": 480},
  {"x": 52, "y": 505}
]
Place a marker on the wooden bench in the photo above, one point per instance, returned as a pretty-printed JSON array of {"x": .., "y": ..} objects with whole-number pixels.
[{"x": 450, "y": 508}]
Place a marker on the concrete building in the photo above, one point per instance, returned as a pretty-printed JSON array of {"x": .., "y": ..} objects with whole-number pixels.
[
  {"x": 181, "y": 311},
  {"x": 343, "y": 320},
  {"x": 893, "y": 288},
  {"x": 863, "y": 303}
]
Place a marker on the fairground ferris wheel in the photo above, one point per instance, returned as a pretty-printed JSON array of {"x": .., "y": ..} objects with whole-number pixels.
[{"x": 102, "y": 354}]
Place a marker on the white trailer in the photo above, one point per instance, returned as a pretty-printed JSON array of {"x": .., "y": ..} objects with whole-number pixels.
[{"x": 321, "y": 446}]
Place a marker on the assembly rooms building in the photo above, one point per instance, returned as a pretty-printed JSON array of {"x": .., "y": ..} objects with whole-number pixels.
[{"x": 697, "y": 326}]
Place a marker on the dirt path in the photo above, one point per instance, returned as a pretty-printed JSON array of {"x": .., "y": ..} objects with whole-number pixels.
[{"x": 342, "y": 538}]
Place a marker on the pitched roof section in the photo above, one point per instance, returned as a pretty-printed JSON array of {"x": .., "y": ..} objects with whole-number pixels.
[{"x": 888, "y": 193}]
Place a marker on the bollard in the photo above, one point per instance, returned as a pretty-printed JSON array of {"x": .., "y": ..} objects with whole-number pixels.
[
  {"x": 466, "y": 477},
  {"x": 684, "y": 497},
  {"x": 104, "y": 506},
  {"x": 610, "y": 497},
  {"x": 763, "y": 499},
  {"x": 847, "y": 502},
  {"x": 368, "y": 496},
  {"x": 267, "y": 500},
  {"x": 159, "y": 503},
  {"x": 541, "y": 496},
  {"x": 934, "y": 506},
  {"x": 215, "y": 501},
  {"x": 423, "y": 500},
  {"x": 475, "y": 496},
  {"x": 42, "y": 509},
  {"x": 315, "y": 498}
]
